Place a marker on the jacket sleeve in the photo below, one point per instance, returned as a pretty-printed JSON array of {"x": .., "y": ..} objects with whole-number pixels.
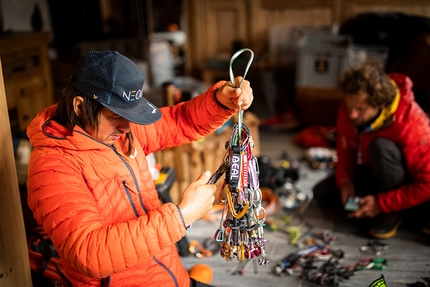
[
  {"x": 185, "y": 122},
  {"x": 346, "y": 147},
  {"x": 414, "y": 140},
  {"x": 63, "y": 204}
]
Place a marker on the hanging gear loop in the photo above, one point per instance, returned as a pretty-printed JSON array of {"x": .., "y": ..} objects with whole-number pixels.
[{"x": 241, "y": 226}]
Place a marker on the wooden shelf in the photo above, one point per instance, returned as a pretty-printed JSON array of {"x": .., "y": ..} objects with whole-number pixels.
[{"x": 27, "y": 76}]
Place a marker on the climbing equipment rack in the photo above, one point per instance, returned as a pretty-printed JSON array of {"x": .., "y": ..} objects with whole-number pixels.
[{"x": 241, "y": 226}]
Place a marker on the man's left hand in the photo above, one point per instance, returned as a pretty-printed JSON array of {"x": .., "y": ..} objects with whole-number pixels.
[{"x": 232, "y": 98}]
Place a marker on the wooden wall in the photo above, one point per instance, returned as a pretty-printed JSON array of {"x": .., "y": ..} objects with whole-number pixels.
[{"x": 212, "y": 25}]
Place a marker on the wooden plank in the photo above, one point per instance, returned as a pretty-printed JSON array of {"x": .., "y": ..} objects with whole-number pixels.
[{"x": 14, "y": 262}]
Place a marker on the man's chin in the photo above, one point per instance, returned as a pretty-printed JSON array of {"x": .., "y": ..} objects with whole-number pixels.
[{"x": 359, "y": 125}]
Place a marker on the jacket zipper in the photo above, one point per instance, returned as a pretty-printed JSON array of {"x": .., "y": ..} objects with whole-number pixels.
[
  {"x": 135, "y": 183},
  {"x": 127, "y": 191},
  {"x": 137, "y": 215},
  {"x": 131, "y": 172}
]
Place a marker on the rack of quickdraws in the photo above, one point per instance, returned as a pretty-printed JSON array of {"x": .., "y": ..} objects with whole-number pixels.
[{"x": 241, "y": 225}]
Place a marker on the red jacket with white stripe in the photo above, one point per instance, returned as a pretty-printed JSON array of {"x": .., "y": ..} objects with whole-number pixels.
[
  {"x": 409, "y": 128},
  {"x": 101, "y": 208}
]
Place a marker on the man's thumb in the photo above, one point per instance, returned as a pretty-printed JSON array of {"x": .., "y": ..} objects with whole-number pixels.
[{"x": 204, "y": 177}]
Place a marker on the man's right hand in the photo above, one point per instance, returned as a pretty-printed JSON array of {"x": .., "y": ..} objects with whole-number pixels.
[
  {"x": 368, "y": 208},
  {"x": 197, "y": 199}
]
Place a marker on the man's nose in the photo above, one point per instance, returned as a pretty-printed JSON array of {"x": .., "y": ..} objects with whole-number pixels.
[
  {"x": 124, "y": 125},
  {"x": 353, "y": 114}
]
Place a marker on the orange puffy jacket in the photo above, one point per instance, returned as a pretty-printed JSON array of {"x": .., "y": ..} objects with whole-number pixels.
[{"x": 100, "y": 207}]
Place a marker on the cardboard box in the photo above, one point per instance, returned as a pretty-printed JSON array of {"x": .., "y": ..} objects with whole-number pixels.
[{"x": 322, "y": 57}]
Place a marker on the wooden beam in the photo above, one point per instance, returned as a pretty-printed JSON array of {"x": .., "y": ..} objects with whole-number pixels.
[
  {"x": 14, "y": 261},
  {"x": 388, "y": 2},
  {"x": 294, "y": 4}
]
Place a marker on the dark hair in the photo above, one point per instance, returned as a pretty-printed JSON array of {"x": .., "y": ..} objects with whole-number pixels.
[
  {"x": 65, "y": 113},
  {"x": 371, "y": 79}
]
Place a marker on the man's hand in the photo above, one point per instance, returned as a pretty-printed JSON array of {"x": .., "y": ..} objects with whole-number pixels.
[
  {"x": 197, "y": 199},
  {"x": 368, "y": 208},
  {"x": 232, "y": 98}
]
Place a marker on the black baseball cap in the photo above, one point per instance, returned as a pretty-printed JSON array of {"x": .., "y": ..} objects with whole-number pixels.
[{"x": 117, "y": 83}]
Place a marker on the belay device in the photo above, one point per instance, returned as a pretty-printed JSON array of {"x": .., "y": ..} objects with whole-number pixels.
[{"x": 241, "y": 225}]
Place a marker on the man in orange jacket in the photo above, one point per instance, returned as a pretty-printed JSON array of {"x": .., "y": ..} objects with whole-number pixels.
[
  {"x": 89, "y": 185},
  {"x": 383, "y": 149}
]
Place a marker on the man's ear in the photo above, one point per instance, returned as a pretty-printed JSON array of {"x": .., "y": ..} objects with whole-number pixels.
[{"x": 78, "y": 105}]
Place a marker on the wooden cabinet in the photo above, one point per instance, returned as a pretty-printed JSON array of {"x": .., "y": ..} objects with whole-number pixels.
[
  {"x": 213, "y": 25},
  {"x": 27, "y": 76}
]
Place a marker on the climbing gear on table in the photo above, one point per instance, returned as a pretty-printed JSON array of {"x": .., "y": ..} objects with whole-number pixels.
[
  {"x": 282, "y": 177},
  {"x": 321, "y": 157},
  {"x": 284, "y": 223},
  {"x": 369, "y": 263},
  {"x": 198, "y": 250},
  {"x": 331, "y": 271},
  {"x": 375, "y": 247},
  {"x": 242, "y": 220}
]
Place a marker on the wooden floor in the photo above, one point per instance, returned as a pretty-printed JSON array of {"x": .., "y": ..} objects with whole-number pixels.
[{"x": 408, "y": 253}]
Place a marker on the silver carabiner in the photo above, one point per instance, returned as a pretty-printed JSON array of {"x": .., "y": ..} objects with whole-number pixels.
[{"x": 240, "y": 117}]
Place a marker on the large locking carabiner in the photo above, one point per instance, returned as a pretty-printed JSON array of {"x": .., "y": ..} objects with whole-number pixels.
[{"x": 234, "y": 57}]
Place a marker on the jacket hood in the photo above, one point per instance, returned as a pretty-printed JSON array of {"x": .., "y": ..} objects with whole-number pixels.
[
  {"x": 403, "y": 99},
  {"x": 404, "y": 83},
  {"x": 45, "y": 131}
]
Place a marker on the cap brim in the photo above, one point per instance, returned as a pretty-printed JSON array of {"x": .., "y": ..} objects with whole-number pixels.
[{"x": 144, "y": 113}]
